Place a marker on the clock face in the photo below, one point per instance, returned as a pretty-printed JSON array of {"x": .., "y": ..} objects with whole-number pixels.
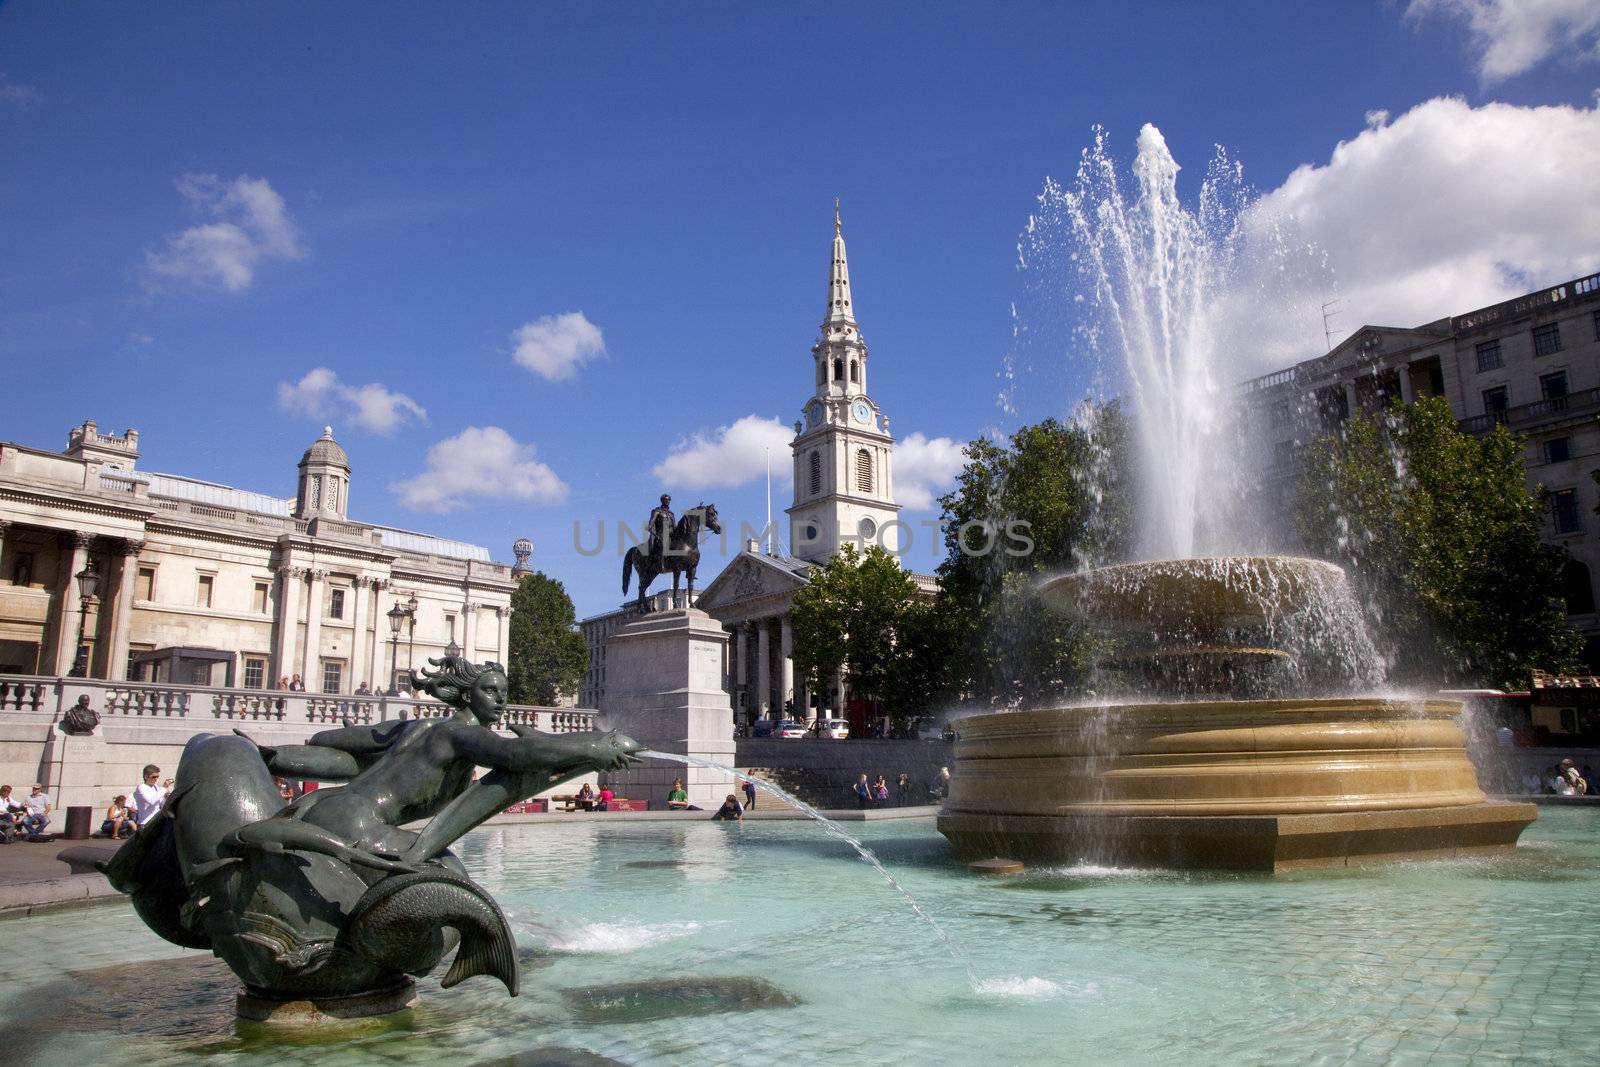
[
  {"x": 813, "y": 413},
  {"x": 861, "y": 411}
]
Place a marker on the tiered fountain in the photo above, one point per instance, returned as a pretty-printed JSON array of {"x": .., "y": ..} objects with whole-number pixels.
[{"x": 1224, "y": 748}]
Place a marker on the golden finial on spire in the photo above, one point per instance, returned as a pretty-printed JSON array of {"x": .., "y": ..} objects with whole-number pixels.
[{"x": 836, "y": 222}]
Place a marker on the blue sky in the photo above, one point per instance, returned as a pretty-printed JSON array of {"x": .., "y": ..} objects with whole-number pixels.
[{"x": 554, "y": 245}]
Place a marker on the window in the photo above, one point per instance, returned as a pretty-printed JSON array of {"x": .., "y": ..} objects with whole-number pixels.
[
  {"x": 450, "y": 628},
  {"x": 1564, "y": 509},
  {"x": 144, "y": 584},
  {"x": 258, "y": 598},
  {"x": 332, "y": 675},
  {"x": 255, "y": 672},
  {"x": 863, "y": 471},
  {"x": 838, "y": 370},
  {"x": 814, "y": 462},
  {"x": 336, "y": 603},
  {"x": 1554, "y": 386},
  {"x": 1489, "y": 356},
  {"x": 1577, "y": 589},
  {"x": 869, "y": 529},
  {"x": 22, "y": 570},
  {"x": 316, "y": 493},
  {"x": 333, "y": 494},
  {"x": 855, "y": 371},
  {"x": 1547, "y": 339},
  {"x": 1495, "y": 403},
  {"x": 202, "y": 591},
  {"x": 1436, "y": 380},
  {"x": 1558, "y": 450}
]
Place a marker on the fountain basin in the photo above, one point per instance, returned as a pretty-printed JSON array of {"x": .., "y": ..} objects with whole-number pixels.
[{"x": 1243, "y": 784}]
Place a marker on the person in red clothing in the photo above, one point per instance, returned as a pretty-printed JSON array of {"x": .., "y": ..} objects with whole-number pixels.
[{"x": 604, "y": 803}]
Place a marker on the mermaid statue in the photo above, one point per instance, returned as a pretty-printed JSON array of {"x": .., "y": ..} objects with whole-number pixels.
[{"x": 330, "y": 897}]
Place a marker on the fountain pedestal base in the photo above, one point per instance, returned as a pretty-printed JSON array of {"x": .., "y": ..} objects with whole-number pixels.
[
  {"x": 1268, "y": 843},
  {"x": 319, "y": 1011}
]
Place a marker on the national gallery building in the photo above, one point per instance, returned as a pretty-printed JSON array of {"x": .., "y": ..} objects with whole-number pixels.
[{"x": 118, "y": 573}]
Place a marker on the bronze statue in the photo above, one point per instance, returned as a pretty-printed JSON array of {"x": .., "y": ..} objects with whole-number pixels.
[
  {"x": 658, "y": 530},
  {"x": 681, "y": 556},
  {"x": 329, "y": 896},
  {"x": 80, "y": 719}
]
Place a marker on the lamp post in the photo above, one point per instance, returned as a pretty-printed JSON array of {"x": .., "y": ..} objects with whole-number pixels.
[
  {"x": 397, "y": 615},
  {"x": 88, "y": 585},
  {"x": 452, "y": 649},
  {"x": 411, "y": 632}
]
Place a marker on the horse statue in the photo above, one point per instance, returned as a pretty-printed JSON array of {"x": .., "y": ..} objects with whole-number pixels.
[{"x": 682, "y": 554}]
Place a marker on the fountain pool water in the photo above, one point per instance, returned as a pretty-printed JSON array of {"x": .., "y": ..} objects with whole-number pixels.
[{"x": 701, "y": 942}]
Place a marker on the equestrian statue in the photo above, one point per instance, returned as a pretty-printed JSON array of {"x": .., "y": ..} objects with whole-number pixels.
[
  {"x": 329, "y": 898},
  {"x": 671, "y": 547}
]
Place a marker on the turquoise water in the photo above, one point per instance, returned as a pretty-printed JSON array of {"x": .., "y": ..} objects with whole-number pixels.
[{"x": 702, "y": 943}]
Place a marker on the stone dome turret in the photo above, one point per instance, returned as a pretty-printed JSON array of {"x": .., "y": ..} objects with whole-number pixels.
[{"x": 326, "y": 450}]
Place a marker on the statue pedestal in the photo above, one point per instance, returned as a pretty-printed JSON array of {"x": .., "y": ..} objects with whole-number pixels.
[
  {"x": 76, "y": 768},
  {"x": 664, "y": 689},
  {"x": 320, "y": 1011}
]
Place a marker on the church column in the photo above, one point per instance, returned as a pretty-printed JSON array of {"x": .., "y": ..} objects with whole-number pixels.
[
  {"x": 740, "y": 670},
  {"x": 469, "y": 631},
  {"x": 764, "y": 666},
  {"x": 122, "y": 611},
  {"x": 288, "y": 620},
  {"x": 311, "y": 661},
  {"x": 360, "y": 669},
  {"x": 786, "y": 665},
  {"x": 70, "y": 615}
]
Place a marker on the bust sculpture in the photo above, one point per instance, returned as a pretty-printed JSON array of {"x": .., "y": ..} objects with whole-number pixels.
[
  {"x": 329, "y": 896},
  {"x": 80, "y": 720}
]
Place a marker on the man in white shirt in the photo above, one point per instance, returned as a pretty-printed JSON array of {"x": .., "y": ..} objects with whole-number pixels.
[
  {"x": 38, "y": 805},
  {"x": 148, "y": 798}
]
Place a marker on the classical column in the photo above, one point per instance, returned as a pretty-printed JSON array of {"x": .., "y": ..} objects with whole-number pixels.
[
  {"x": 469, "y": 631},
  {"x": 1408, "y": 393},
  {"x": 358, "y": 638},
  {"x": 288, "y": 620},
  {"x": 311, "y": 662},
  {"x": 786, "y": 666},
  {"x": 764, "y": 666},
  {"x": 741, "y": 672},
  {"x": 503, "y": 614},
  {"x": 5, "y": 525},
  {"x": 122, "y": 611},
  {"x": 70, "y": 616}
]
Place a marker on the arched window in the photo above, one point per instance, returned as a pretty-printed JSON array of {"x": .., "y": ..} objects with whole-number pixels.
[
  {"x": 815, "y": 472},
  {"x": 863, "y": 471},
  {"x": 838, "y": 370},
  {"x": 855, "y": 372},
  {"x": 1577, "y": 589}
]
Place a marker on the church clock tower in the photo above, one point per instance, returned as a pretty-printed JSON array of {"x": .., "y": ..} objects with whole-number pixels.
[{"x": 843, "y": 454}]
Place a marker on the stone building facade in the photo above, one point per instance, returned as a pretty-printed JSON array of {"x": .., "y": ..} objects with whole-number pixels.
[
  {"x": 203, "y": 584},
  {"x": 1532, "y": 364}
]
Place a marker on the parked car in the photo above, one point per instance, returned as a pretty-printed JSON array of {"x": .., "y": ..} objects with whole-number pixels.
[
  {"x": 763, "y": 727},
  {"x": 837, "y": 729},
  {"x": 789, "y": 728}
]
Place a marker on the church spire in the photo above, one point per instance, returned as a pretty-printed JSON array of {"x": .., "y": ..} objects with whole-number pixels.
[{"x": 839, "y": 309}]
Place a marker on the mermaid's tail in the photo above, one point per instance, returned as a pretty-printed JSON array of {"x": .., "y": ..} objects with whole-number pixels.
[{"x": 396, "y": 925}]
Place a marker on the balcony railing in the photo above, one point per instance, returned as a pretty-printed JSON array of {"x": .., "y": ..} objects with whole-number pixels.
[
  {"x": 1544, "y": 298},
  {"x": 209, "y": 707},
  {"x": 1580, "y": 404}
]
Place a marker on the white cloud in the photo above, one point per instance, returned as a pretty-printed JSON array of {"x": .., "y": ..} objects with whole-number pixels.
[
  {"x": 1513, "y": 36},
  {"x": 320, "y": 395},
  {"x": 23, "y": 96},
  {"x": 1442, "y": 210},
  {"x": 733, "y": 455},
  {"x": 555, "y": 346},
  {"x": 249, "y": 224},
  {"x": 480, "y": 461},
  {"x": 924, "y": 466}
]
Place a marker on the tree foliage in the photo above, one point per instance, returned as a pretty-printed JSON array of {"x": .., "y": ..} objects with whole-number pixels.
[
  {"x": 1442, "y": 539},
  {"x": 547, "y": 654},
  {"x": 863, "y": 612},
  {"x": 1052, "y": 498}
]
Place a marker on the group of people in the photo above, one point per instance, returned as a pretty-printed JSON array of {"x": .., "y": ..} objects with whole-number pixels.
[
  {"x": 29, "y": 816},
  {"x": 1561, "y": 779},
  {"x": 875, "y": 793}
]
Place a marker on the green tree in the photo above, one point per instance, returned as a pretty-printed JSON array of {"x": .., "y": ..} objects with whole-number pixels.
[
  {"x": 863, "y": 612},
  {"x": 547, "y": 654},
  {"x": 1441, "y": 537},
  {"x": 1054, "y": 497}
]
